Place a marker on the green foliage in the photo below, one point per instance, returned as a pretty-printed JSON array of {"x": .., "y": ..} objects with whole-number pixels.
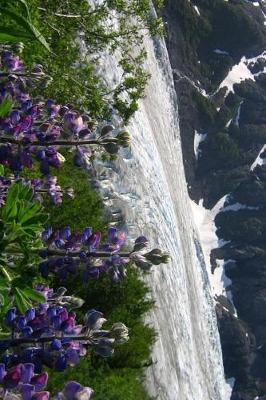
[
  {"x": 120, "y": 377},
  {"x": 5, "y": 107},
  {"x": 224, "y": 181},
  {"x": 22, "y": 217},
  {"x": 75, "y": 80},
  {"x": 207, "y": 111},
  {"x": 20, "y": 28},
  {"x": 249, "y": 137},
  {"x": 244, "y": 226},
  {"x": 85, "y": 209},
  {"x": 21, "y": 222},
  {"x": 221, "y": 151}
]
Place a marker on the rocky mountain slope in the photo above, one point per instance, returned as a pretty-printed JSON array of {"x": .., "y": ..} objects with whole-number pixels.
[{"x": 218, "y": 56}]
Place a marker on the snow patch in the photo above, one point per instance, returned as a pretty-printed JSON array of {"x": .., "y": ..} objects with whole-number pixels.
[
  {"x": 222, "y": 52},
  {"x": 196, "y": 9},
  {"x": 259, "y": 160},
  {"x": 237, "y": 74},
  {"x": 228, "y": 123},
  {"x": 204, "y": 220},
  {"x": 229, "y": 388},
  {"x": 240, "y": 72},
  {"x": 237, "y": 207},
  {"x": 237, "y": 118},
  {"x": 198, "y": 138}
]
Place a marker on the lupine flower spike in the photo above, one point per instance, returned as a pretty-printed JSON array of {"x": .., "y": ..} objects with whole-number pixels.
[
  {"x": 21, "y": 383},
  {"x": 49, "y": 335},
  {"x": 82, "y": 253},
  {"x": 34, "y": 129}
]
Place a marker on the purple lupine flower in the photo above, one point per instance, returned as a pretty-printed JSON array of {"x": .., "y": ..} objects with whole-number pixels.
[
  {"x": 12, "y": 377},
  {"x": 27, "y": 391},
  {"x": 94, "y": 319},
  {"x": 10, "y": 316},
  {"x": 92, "y": 272},
  {"x": 56, "y": 344},
  {"x": 2, "y": 372},
  {"x": 30, "y": 314},
  {"x": 26, "y": 105},
  {"x": 94, "y": 240},
  {"x": 15, "y": 117},
  {"x": 140, "y": 243},
  {"x": 27, "y": 372},
  {"x": 39, "y": 381},
  {"x": 115, "y": 240},
  {"x": 87, "y": 232},
  {"x": 65, "y": 233}
]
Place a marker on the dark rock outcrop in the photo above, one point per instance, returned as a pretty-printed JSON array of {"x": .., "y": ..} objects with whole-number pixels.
[{"x": 202, "y": 48}]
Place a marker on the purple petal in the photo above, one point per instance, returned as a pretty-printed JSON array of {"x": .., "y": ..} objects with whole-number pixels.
[
  {"x": 65, "y": 233},
  {"x": 39, "y": 381},
  {"x": 12, "y": 378},
  {"x": 71, "y": 390},
  {"x": 94, "y": 239},
  {"x": 15, "y": 117},
  {"x": 2, "y": 372},
  {"x": 87, "y": 232},
  {"x": 72, "y": 357},
  {"x": 27, "y": 391},
  {"x": 56, "y": 344},
  {"x": 61, "y": 363},
  {"x": 27, "y": 372},
  {"x": 41, "y": 396},
  {"x": 111, "y": 234},
  {"x": 30, "y": 314},
  {"x": 10, "y": 316}
]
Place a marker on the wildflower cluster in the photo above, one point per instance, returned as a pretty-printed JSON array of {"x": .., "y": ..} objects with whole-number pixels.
[
  {"x": 21, "y": 383},
  {"x": 48, "y": 335},
  {"x": 41, "y": 187},
  {"x": 83, "y": 253},
  {"x": 41, "y": 329},
  {"x": 36, "y": 129}
]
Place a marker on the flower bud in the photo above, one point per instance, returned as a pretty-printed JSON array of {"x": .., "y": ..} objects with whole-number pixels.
[
  {"x": 119, "y": 332},
  {"x": 94, "y": 319},
  {"x": 140, "y": 243},
  {"x": 106, "y": 130},
  {"x": 157, "y": 256},
  {"x": 84, "y": 394},
  {"x": 10, "y": 316},
  {"x": 123, "y": 139},
  {"x": 18, "y": 47},
  {"x": 69, "y": 193},
  {"x": 61, "y": 157},
  {"x": 140, "y": 261}
]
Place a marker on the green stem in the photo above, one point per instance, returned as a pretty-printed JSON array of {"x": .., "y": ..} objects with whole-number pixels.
[{"x": 5, "y": 139}]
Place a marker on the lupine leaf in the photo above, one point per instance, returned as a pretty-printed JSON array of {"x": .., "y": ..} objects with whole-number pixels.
[
  {"x": 26, "y": 8},
  {"x": 16, "y": 33},
  {"x": 5, "y": 107},
  {"x": 21, "y": 301},
  {"x": 33, "y": 295},
  {"x": 4, "y": 335},
  {"x": 28, "y": 26},
  {"x": 6, "y": 38}
]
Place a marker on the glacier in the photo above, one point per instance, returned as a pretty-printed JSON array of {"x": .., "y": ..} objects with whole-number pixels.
[{"x": 147, "y": 183}]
